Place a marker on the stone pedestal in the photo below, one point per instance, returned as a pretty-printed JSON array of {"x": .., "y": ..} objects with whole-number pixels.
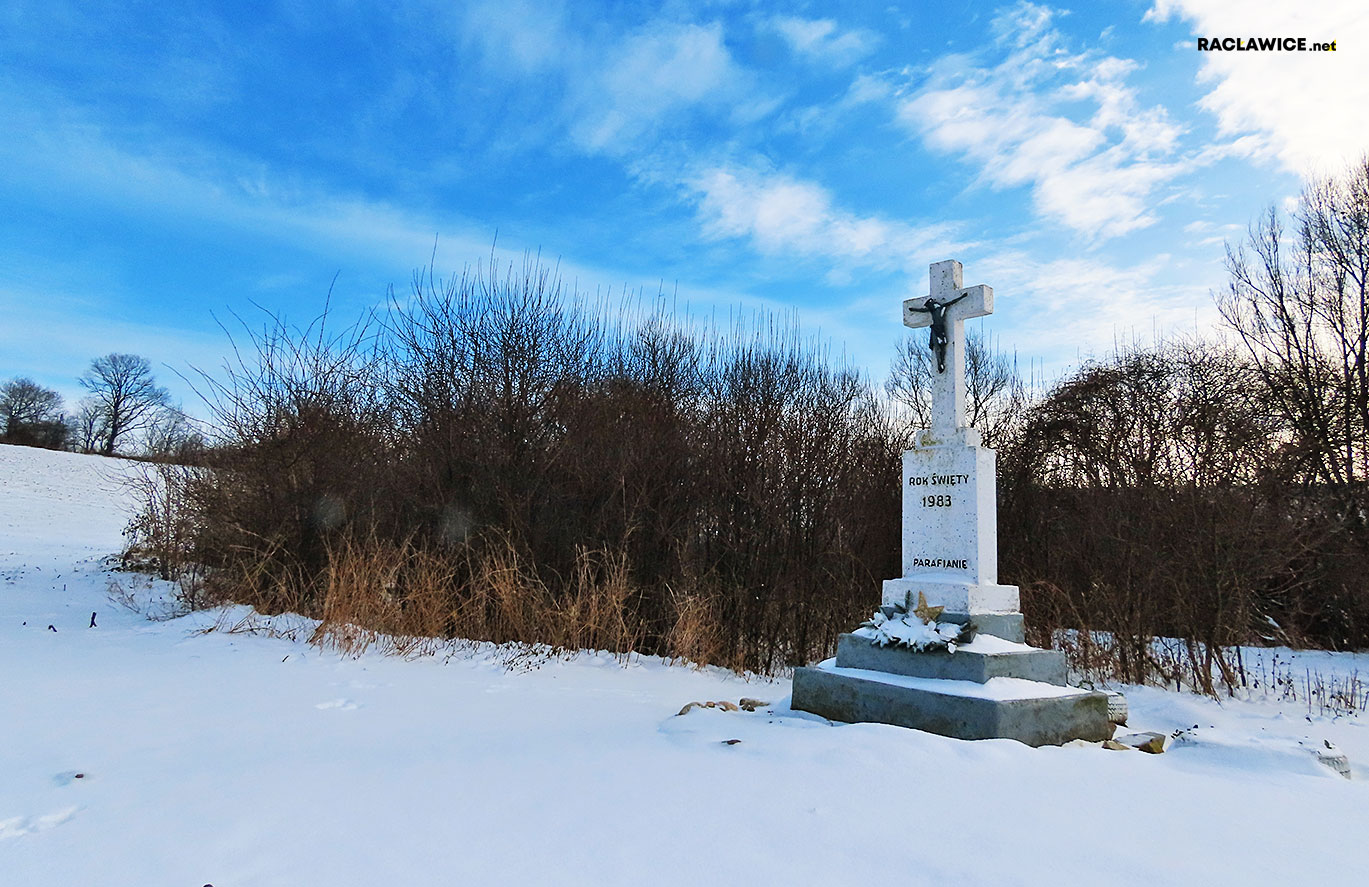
[{"x": 984, "y": 659}]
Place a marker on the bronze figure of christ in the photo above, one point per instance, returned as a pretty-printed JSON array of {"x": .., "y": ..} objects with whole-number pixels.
[{"x": 938, "y": 335}]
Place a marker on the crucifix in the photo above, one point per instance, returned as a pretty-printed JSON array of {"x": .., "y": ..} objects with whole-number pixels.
[{"x": 945, "y": 312}]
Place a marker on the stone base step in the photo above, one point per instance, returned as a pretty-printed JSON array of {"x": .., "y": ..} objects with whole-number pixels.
[
  {"x": 984, "y": 658},
  {"x": 1031, "y": 712}
]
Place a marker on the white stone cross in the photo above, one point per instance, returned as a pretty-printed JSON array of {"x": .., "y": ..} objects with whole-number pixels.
[{"x": 948, "y": 388}]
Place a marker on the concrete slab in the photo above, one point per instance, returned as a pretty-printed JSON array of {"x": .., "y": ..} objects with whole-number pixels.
[
  {"x": 965, "y": 664},
  {"x": 1003, "y": 708}
]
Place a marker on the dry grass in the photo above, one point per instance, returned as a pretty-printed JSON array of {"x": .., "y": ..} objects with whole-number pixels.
[
  {"x": 694, "y": 637},
  {"x": 410, "y": 600}
]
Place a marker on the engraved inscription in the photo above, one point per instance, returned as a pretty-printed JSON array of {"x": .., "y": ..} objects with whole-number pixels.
[
  {"x": 932, "y": 563},
  {"x": 938, "y": 480}
]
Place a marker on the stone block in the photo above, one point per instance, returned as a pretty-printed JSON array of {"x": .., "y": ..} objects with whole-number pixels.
[
  {"x": 1004, "y": 708},
  {"x": 941, "y": 590},
  {"x": 1008, "y": 626},
  {"x": 950, "y": 513},
  {"x": 965, "y": 664}
]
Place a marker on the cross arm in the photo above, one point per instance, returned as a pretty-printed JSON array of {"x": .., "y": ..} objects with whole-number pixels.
[{"x": 970, "y": 301}]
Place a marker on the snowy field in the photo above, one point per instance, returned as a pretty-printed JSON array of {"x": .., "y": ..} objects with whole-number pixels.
[{"x": 142, "y": 753}]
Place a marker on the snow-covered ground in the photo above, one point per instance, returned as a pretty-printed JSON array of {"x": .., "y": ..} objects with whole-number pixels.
[{"x": 142, "y": 753}]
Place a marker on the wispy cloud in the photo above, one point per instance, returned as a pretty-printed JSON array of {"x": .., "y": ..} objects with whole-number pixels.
[
  {"x": 783, "y": 215},
  {"x": 615, "y": 91},
  {"x": 522, "y": 36},
  {"x": 1212, "y": 234},
  {"x": 1017, "y": 120},
  {"x": 213, "y": 189},
  {"x": 1305, "y": 108},
  {"x": 823, "y": 40},
  {"x": 662, "y": 70}
]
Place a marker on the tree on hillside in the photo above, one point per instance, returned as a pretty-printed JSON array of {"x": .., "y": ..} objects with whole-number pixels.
[
  {"x": 124, "y": 397},
  {"x": 85, "y": 426},
  {"x": 31, "y": 414},
  {"x": 172, "y": 435}
]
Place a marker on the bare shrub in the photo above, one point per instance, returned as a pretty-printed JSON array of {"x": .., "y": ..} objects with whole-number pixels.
[
  {"x": 162, "y": 531},
  {"x": 503, "y": 461},
  {"x": 160, "y": 538},
  {"x": 1142, "y": 500},
  {"x": 301, "y": 451}
]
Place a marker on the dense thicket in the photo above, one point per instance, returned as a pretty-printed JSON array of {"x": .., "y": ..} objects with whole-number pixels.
[
  {"x": 1143, "y": 497},
  {"x": 516, "y": 459}
]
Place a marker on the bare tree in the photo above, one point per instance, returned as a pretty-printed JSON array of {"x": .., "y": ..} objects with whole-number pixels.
[
  {"x": 995, "y": 395},
  {"x": 24, "y": 402},
  {"x": 30, "y": 413},
  {"x": 1183, "y": 413},
  {"x": 172, "y": 435},
  {"x": 1301, "y": 310},
  {"x": 124, "y": 396},
  {"x": 85, "y": 426},
  {"x": 1141, "y": 498}
]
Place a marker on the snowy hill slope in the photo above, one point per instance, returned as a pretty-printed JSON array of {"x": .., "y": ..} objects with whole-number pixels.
[{"x": 139, "y": 753}]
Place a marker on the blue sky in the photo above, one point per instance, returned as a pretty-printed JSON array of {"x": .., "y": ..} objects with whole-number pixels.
[{"x": 160, "y": 166}]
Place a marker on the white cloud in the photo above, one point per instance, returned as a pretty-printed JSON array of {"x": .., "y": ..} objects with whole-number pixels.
[
  {"x": 661, "y": 70},
  {"x": 782, "y": 215},
  {"x": 1096, "y": 174},
  {"x": 1063, "y": 309},
  {"x": 821, "y": 39},
  {"x": 1307, "y": 108},
  {"x": 614, "y": 90}
]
